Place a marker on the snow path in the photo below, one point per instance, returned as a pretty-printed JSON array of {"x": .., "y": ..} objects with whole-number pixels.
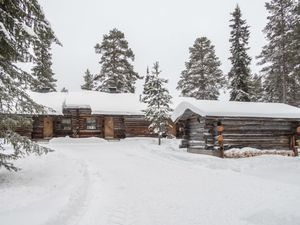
[{"x": 136, "y": 182}]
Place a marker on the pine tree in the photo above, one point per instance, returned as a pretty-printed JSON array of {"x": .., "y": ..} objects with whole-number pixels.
[
  {"x": 89, "y": 81},
  {"x": 147, "y": 78},
  {"x": 202, "y": 78},
  {"x": 116, "y": 64},
  {"x": 42, "y": 70},
  {"x": 239, "y": 74},
  {"x": 20, "y": 23},
  {"x": 158, "y": 102},
  {"x": 295, "y": 59},
  {"x": 276, "y": 55}
]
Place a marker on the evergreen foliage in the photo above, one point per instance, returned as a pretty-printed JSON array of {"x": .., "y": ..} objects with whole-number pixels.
[
  {"x": 239, "y": 74},
  {"x": 147, "y": 78},
  {"x": 202, "y": 78},
  {"x": 88, "y": 81},
  {"x": 42, "y": 70},
  {"x": 257, "y": 91},
  {"x": 277, "y": 55},
  {"x": 295, "y": 46},
  {"x": 20, "y": 23},
  {"x": 158, "y": 102},
  {"x": 116, "y": 64}
]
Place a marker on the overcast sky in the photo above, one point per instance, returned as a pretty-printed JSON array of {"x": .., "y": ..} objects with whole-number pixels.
[{"x": 157, "y": 30}]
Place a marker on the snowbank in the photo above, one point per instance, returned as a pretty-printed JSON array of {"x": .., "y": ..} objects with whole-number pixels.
[{"x": 69, "y": 140}]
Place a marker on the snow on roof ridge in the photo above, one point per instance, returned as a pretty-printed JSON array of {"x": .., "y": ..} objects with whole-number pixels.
[
  {"x": 98, "y": 102},
  {"x": 235, "y": 109}
]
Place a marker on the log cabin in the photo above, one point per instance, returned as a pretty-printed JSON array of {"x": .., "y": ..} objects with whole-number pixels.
[
  {"x": 205, "y": 124},
  {"x": 90, "y": 114}
]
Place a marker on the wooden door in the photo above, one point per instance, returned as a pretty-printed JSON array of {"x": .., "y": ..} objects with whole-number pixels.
[
  {"x": 48, "y": 127},
  {"x": 109, "y": 127}
]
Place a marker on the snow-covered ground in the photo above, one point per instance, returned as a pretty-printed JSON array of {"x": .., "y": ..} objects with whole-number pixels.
[{"x": 135, "y": 182}]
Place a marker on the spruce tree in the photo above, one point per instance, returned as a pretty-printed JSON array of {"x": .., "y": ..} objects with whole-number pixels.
[
  {"x": 276, "y": 56},
  {"x": 239, "y": 74},
  {"x": 295, "y": 59},
  {"x": 88, "y": 81},
  {"x": 158, "y": 102},
  {"x": 20, "y": 23},
  {"x": 116, "y": 64},
  {"x": 147, "y": 78},
  {"x": 202, "y": 78},
  {"x": 42, "y": 70}
]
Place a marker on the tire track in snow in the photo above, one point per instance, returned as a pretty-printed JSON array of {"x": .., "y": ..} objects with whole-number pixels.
[
  {"x": 123, "y": 214},
  {"x": 77, "y": 203}
]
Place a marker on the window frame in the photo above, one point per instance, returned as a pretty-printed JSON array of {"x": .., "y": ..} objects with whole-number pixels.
[
  {"x": 66, "y": 125},
  {"x": 92, "y": 124}
]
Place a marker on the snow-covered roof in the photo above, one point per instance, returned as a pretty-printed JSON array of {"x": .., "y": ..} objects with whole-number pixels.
[
  {"x": 106, "y": 103},
  {"x": 235, "y": 109},
  {"x": 98, "y": 102},
  {"x": 51, "y": 100}
]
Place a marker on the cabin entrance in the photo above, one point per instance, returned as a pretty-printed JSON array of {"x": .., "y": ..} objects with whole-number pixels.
[
  {"x": 48, "y": 127},
  {"x": 109, "y": 127}
]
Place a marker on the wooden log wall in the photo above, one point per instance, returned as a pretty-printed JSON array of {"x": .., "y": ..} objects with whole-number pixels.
[
  {"x": 124, "y": 126},
  {"x": 195, "y": 129},
  {"x": 119, "y": 128},
  {"x": 25, "y": 131},
  {"x": 137, "y": 126},
  {"x": 262, "y": 133},
  {"x": 79, "y": 125},
  {"x": 38, "y": 127}
]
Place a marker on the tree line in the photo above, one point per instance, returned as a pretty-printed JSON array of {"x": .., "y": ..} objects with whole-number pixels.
[{"x": 202, "y": 78}]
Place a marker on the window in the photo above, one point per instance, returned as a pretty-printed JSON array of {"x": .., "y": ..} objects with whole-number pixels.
[
  {"x": 66, "y": 124},
  {"x": 91, "y": 123}
]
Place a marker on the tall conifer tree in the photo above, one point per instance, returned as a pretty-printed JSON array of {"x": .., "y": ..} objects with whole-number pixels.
[
  {"x": 276, "y": 56},
  {"x": 158, "y": 102},
  {"x": 202, "y": 78},
  {"x": 20, "y": 23},
  {"x": 295, "y": 46},
  {"x": 239, "y": 75},
  {"x": 42, "y": 69},
  {"x": 116, "y": 64}
]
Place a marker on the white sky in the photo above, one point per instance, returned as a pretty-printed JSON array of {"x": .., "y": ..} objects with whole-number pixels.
[{"x": 157, "y": 30}]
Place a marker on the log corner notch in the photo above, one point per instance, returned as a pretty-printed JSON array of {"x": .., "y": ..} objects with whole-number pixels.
[
  {"x": 295, "y": 141},
  {"x": 220, "y": 138}
]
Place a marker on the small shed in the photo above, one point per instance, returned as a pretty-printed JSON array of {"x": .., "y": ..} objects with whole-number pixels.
[{"x": 244, "y": 124}]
